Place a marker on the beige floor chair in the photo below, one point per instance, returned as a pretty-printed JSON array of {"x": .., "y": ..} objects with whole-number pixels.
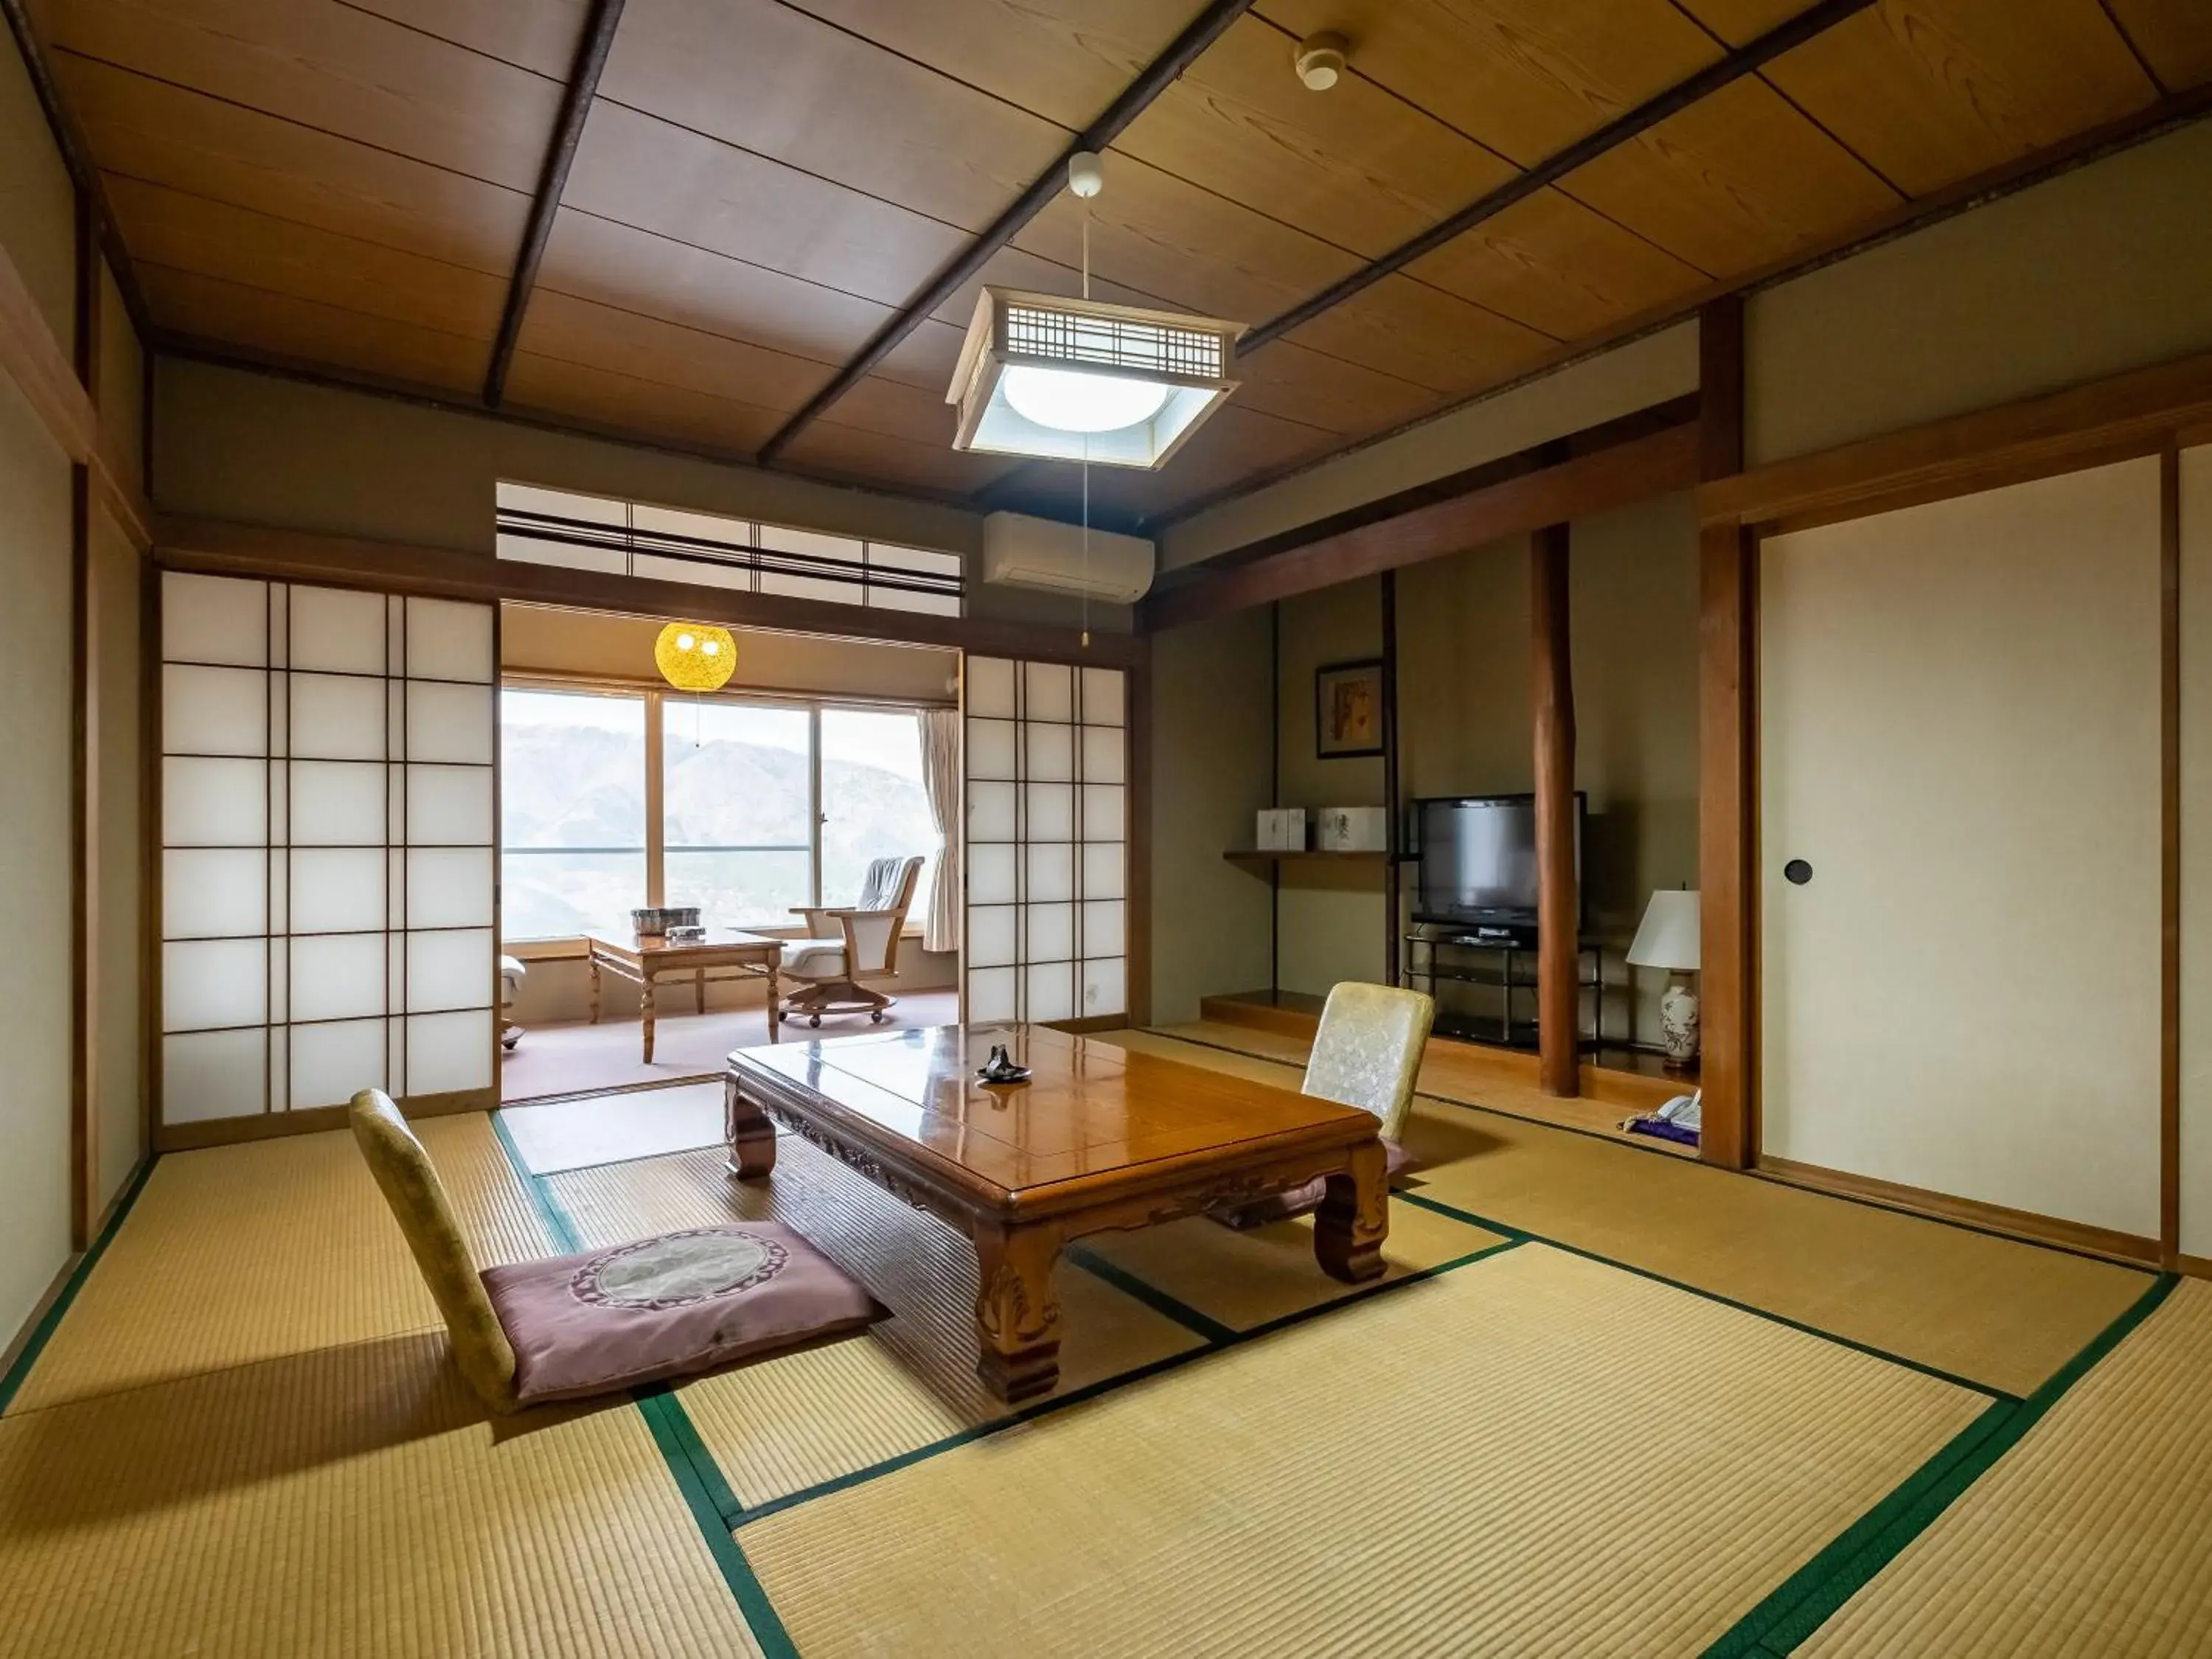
[{"x": 851, "y": 947}]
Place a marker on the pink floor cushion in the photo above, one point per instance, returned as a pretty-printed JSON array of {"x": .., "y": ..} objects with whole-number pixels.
[
  {"x": 667, "y": 1307},
  {"x": 1298, "y": 1201}
]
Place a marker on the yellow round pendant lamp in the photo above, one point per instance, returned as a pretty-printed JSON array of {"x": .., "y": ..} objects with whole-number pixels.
[{"x": 695, "y": 656}]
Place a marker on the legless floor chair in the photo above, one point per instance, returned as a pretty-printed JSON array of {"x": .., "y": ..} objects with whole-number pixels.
[
  {"x": 1367, "y": 1054},
  {"x": 568, "y": 1326},
  {"x": 850, "y": 947}
]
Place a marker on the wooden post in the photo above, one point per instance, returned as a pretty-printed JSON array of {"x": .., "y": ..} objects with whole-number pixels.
[
  {"x": 84, "y": 766},
  {"x": 1392, "y": 927},
  {"x": 1728, "y": 618},
  {"x": 1558, "y": 907}
]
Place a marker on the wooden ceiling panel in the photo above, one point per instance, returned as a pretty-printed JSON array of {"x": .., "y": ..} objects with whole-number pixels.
[
  {"x": 208, "y": 308},
  {"x": 1356, "y": 167},
  {"x": 927, "y": 357},
  {"x": 538, "y": 35},
  {"x": 1930, "y": 91},
  {"x": 638, "y": 170},
  {"x": 644, "y": 348},
  {"x": 1063, "y": 59},
  {"x": 1556, "y": 266},
  {"x": 834, "y": 105},
  {"x": 895, "y": 408},
  {"x": 143, "y": 129},
  {"x": 210, "y": 239},
  {"x": 2173, "y": 36},
  {"x": 614, "y": 264},
  {"x": 844, "y": 452},
  {"x": 1737, "y": 180},
  {"x": 337, "y": 69},
  {"x": 1423, "y": 335},
  {"x": 622, "y": 402}
]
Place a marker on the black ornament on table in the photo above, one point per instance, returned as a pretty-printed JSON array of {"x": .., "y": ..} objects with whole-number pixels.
[{"x": 1000, "y": 1067}]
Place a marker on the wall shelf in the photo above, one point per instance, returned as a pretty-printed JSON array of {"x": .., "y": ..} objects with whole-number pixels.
[{"x": 1260, "y": 860}]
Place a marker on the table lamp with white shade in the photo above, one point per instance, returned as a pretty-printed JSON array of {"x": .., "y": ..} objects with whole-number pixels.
[{"x": 1668, "y": 940}]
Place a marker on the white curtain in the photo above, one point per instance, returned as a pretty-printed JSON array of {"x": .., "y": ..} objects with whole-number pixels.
[{"x": 941, "y": 777}]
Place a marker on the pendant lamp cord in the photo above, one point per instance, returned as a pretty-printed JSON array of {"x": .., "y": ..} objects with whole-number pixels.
[{"x": 1086, "y": 448}]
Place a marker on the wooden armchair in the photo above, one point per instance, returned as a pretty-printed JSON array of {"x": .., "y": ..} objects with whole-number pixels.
[{"x": 847, "y": 947}]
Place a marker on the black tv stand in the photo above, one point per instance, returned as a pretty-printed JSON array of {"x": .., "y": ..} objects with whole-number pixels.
[{"x": 1508, "y": 946}]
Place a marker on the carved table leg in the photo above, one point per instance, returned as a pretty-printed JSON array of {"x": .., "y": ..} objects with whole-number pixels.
[
  {"x": 645, "y": 1013},
  {"x": 775, "y": 1007},
  {"x": 1354, "y": 1218},
  {"x": 750, "y": 1133},
  {"x": 595, "y": 990},
  {"x": 1016, "y": 1315}
]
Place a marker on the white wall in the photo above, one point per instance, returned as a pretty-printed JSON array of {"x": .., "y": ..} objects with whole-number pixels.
[
  {"x": 2197, "y": 851},
  {"x": 1960, "y": 731}
]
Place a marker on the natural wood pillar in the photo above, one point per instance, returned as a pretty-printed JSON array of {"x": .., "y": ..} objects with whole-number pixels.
[
  {"x": 1558, "y": 904},
  {"x": 1393, "y": 927},
  {"x": 1728, "y": 616}
]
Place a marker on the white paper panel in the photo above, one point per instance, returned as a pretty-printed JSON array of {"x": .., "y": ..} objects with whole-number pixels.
[
  {"x": 1103, "y": 928},
  {"x": 449, "y": 722},
  {"x": 990, "y": 687},
  {"x": 991, "y": 934},
  {"x": 1105, "y": 988},
  {"x": 1103, "y": 871},
  {"x": 1103, "y": 758},
  {"x": 1104, "y": 692},
  {"x": 214, "y": 982},
  {"x": 338, "y": 803},
  {"x": 337, "y": 976},
  {"x": 449, "y": 887},
  {"x": 449, "y": 640},
  {"x": 1051, "y": 933},
  {"x": 213, "y": 619},
  {"x": 446, "y": 1052},
  {"x": 213, "y": 803},
  {"x": 1050, "y": 691},
  {"x": 1051, "y": 874},
  {"x": 1051, "y": 991},
  {"x": 279, "y": 739},
  {"x": 214, "y": 892},
  {"x": 337, "y": 890},
  {"x": 1102, "y": 811},
  {"x": 331, "y": 1062},
  {"x": 449, "y": 805},
  {"x": 1051, "y": 752},
  {"x": 212, "y": 1075},
  {"x": 1051, "y": 812},
  {"x": 701, "y": 573},
  {"x": 337, "y": 717},
  {"x": 991, "y": 811},
  {"x": 450, "y": 970},
  {"x": 990, "y": 749},
  {"x": 280, "y": 890},
  {"x": 991, "y": 994},
  {"x": 396, "y": 890},
  {"x": 214, "y": 711},
  {"x": 991, "y": 874},
  {"x": 338, "y": 630},
  {"x": 279, "y": 1064}
]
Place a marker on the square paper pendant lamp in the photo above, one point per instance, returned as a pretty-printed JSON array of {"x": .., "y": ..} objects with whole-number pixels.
[{"x": 1081, "y": 380}]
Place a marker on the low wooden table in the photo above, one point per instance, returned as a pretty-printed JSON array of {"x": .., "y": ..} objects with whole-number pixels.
[
  {"x": 642, "y": 959},
  {"x": 1100, "y": 1138}
]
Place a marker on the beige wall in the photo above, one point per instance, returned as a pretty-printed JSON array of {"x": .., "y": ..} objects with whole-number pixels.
[
  {"x": 118, "y": 573},
  {"x": 269, "y": 450},
  {"x": 2197, "y": 851},
  {"x": 1960, "y": 731},
  {"x": 2101, "y": 270},
  {"x": 38, "y": 202},
  {"x": 1210, "y": 758}
]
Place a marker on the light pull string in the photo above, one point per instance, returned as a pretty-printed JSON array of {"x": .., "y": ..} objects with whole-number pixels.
[{"x": 1084, "y": 600}]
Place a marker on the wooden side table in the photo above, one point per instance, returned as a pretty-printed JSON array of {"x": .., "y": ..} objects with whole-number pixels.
[{"x": 642, "y": 959}]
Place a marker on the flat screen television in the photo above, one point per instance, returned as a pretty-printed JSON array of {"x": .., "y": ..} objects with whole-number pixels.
[{"x": 1478, "y": 859}]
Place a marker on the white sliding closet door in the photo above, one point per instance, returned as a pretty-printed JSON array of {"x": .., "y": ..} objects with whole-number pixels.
[
  {"x": 1959, "y": 735},
  {"x": 1047, "y": 838},
  {"x": 327, "y": 897},
  {"x": 2197, "y": 851}
]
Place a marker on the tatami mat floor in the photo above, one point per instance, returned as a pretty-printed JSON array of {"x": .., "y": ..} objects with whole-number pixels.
[{"x": 243, "y": 1437}]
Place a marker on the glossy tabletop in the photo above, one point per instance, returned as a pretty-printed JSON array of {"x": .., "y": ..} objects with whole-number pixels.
[
  {"x": 723, "y": 941},
  {"x": 1090, "y": 1109}
]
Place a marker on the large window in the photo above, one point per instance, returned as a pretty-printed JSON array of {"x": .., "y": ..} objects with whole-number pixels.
[{"x": 757, "y": 808}]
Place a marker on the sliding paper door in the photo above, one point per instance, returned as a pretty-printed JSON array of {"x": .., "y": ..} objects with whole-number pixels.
[
  {"x": 326, "y": 877},
  {"x": 1046, "y": 840}
]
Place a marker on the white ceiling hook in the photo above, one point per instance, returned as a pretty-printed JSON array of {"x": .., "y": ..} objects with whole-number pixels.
[{"x": 1086, "y": 173}]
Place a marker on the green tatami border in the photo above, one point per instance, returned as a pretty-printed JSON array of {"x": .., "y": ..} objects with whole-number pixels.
[{"x": 49, "y": 1321}]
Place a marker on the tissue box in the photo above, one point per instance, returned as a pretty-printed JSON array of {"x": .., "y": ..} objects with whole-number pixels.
[
  {"x": 1282, "y": 830},
  {"x": 1352, "y": 829}
]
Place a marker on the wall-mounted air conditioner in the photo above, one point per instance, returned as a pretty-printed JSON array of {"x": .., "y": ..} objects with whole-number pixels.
[{"x": 1026, "y": 552}]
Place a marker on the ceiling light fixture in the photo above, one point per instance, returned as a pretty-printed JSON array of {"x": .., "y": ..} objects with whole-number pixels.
[
  {"x": 1319, "y": 60},
  {"x": 1084, "y": 379}
]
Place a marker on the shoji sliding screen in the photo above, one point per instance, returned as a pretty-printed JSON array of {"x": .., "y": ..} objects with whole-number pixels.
[
  {"x": 326, "y": 880},
  {"x": 1046, "y": 840}
]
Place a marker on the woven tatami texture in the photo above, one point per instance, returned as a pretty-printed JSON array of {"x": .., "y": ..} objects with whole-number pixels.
[
  {"x": 572, "y": 1134},
  {"x": 1271, "y": 1498},
  {"x": 2093, "y": 1536}
]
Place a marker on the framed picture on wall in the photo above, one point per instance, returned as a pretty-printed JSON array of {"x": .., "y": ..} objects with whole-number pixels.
[{"x": 1348, "y": 709}]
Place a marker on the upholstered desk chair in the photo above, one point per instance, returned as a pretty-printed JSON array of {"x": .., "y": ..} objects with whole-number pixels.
[
  {"x": 846, "y": 948},
  {"x": 564, "y": 1328},
  {"x": 1367, "y": 1054}
]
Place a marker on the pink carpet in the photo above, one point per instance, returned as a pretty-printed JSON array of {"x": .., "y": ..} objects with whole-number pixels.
[{"x": 571, "y": 1059}]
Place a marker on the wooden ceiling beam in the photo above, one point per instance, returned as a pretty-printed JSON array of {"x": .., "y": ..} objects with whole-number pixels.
[
  {"x": 560, "y": 155},
  {"x": 1746, "y": 59},
  {"x": 1157, "y": 75}
]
